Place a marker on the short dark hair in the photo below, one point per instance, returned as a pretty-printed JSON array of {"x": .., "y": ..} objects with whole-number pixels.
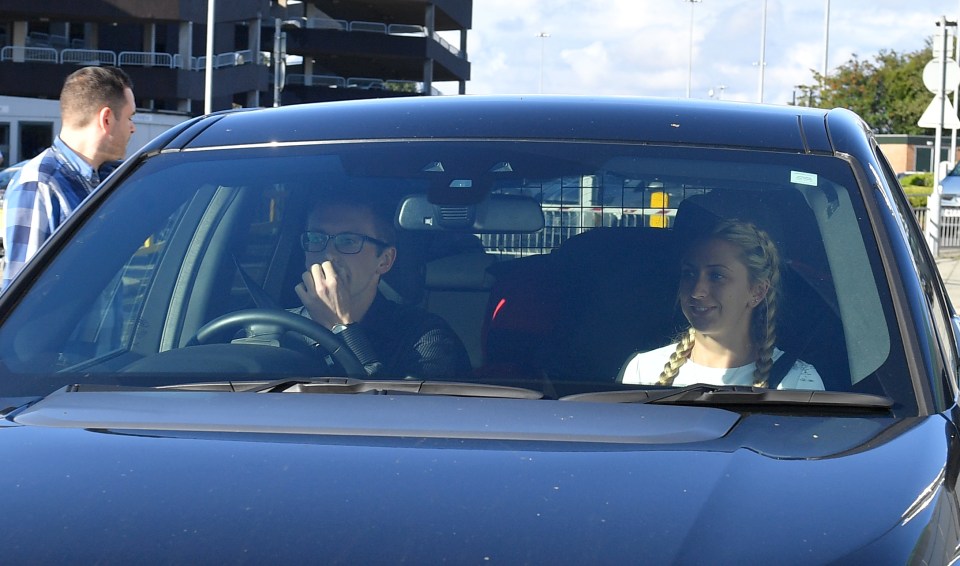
[
  {"x": 381, "y": 211},
  {"x": 87, "y": 90}
]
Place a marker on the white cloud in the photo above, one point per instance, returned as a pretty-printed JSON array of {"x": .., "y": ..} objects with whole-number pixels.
[{"x": 642, "y": 46}]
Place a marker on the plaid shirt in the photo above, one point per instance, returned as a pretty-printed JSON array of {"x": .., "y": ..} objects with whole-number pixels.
[{"x": 43, "y": 194}]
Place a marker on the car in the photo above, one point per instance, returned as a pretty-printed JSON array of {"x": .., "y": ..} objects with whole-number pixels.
[
  {"x": 950, "y": 188},
  {"x": 159, "y": 402}
]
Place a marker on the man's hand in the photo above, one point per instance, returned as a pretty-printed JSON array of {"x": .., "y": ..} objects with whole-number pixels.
[{"x": 325, "y": 292}]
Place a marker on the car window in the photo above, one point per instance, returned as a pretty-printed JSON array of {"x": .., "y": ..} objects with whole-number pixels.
[{"x": 196, "y": 235}]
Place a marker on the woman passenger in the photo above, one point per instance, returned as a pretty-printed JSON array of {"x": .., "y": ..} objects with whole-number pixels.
[{"x": 729, "y": 293}]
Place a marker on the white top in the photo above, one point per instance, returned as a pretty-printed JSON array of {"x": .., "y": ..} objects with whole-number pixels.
[{"x": 645, "y": 368}]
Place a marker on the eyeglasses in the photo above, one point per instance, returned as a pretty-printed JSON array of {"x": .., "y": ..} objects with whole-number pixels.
[{"x": 344, "y": 242}]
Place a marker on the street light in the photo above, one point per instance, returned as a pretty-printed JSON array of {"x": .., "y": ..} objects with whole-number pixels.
[
  {"x": 763, "y": 49},
  {"x": 690, "y": 58},
  {"x": 826, "y": 38},
  {"x": 280, "y": 56},
  {"x": 542, "y": 35},
  {"x": 208, "y": 72}
]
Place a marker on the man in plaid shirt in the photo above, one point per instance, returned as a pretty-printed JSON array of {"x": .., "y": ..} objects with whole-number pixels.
[{"x": 96, "y": 111}]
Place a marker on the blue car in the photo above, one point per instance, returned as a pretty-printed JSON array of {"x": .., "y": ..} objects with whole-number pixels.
[{"x": 657, "y": 331}]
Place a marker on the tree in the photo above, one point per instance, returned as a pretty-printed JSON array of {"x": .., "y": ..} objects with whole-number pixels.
[{"x": 887, "y": 92}]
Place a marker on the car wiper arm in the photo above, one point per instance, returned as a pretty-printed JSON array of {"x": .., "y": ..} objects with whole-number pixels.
[
  {"x": 343, "y": 385},
  {"x": 702, "y": 394}
]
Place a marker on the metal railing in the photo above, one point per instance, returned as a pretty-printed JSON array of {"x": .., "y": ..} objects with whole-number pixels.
[
  {"x": 372, "y": 27},
  {"x": 407, "y": 29},
  {"x": 29, "y": 54},
  {"x": 88, "y": 57},
  {"x": 446, "y": 44},
  {"x": 366, "y": 83},
  {"x": 378, "y": 27},
  {"x": 949, "y": 224},
  {"x": 949, "y": 227},
  {"x": 328, "y": 23},
  {"x": 330, "y": 81},
  {"x": 125, "y": 58},
  {"x": 229, "y": 59},
  {"x": 560, "y": 225},
  {"x": 145, "y": 59}
]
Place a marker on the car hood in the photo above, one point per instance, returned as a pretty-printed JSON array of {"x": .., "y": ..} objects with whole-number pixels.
[{"x": 247, "y": 477}]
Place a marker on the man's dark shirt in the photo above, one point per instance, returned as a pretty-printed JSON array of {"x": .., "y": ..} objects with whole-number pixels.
[{"x": 397, "y": 341}]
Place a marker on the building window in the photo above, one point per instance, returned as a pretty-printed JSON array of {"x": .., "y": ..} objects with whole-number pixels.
[
  {"x": 5, "y": 145},
  {"x": 34, "y": 138}
]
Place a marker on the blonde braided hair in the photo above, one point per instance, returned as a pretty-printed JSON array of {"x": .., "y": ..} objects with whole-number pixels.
[{"x": 762, "y": 260}]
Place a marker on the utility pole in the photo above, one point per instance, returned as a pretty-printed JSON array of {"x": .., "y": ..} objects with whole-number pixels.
[
  {"x": 763, "y": 50},
  {"x": 690, "y": 53},
  {"x": 543, "y": 36},
  {"x": 208, "y": 72}
]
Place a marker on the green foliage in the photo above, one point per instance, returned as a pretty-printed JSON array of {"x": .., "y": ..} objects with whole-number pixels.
[
  {"x": 917, "y": 186},
  {"x": 917, "y": 180},
  {"x": 887, "y": 91},
  {"x": 406, "y": 86}
]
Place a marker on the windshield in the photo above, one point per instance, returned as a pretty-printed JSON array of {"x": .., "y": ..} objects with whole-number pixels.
[{"x": 565, "y": 306}]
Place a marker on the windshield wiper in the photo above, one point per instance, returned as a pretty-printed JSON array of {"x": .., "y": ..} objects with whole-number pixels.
[
  {"x": 701, "y": 394},
  {"x": 345, "y": 385}
]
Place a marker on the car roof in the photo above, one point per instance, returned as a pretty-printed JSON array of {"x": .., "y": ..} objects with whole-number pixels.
[{"x": 619, "y": 119}]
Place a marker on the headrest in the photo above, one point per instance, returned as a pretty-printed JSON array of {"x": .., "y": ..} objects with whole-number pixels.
[
  {"x": 467, "y": 271},
  {"x": 601, "y": 245},
  {"x": 699, "y": 214}
]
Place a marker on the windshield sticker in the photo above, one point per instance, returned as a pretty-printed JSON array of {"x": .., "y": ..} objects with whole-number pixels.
[{"x": 801, "y": 178}]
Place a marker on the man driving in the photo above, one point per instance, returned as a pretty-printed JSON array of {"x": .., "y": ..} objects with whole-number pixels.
[{"x": 348, "y": 247}]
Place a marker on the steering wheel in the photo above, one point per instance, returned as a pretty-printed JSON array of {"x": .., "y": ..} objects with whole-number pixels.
[{"x": 224, "y": 326}]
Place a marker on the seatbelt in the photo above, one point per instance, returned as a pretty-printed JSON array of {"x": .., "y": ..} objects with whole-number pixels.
[{"x": 780, "y": 369}]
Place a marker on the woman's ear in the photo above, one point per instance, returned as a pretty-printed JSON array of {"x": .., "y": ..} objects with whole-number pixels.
[{"x": 759, "y": 292}]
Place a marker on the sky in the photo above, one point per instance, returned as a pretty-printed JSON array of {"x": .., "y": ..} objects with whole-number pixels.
[{"x": 642, "y": 47}]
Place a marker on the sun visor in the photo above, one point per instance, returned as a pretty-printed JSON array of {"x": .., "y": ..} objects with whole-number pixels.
[{"x": 496, "y": 213}]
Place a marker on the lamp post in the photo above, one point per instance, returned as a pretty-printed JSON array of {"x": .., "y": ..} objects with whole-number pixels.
[
  {"x": 543, "y": 36},
  {"x": 763, "y": 50},
  {"x": 208, "y": 72},
  {"x": 826, "y": 39},
  {"x": 690, "y": 55}
]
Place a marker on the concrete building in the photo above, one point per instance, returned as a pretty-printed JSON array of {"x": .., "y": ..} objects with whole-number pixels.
[
  {"x": 266, "y": 53},
  {"x": 913, "y": 152}
]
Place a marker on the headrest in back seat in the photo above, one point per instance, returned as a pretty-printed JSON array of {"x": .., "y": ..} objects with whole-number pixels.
[{"x": 467, "y": 271}]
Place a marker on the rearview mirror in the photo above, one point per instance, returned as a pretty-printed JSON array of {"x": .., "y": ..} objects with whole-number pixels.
[{"x": 496, "y": 213}]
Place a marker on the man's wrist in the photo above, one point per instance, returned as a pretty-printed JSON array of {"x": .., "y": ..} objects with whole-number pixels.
[{"x": 339, "y": 327}]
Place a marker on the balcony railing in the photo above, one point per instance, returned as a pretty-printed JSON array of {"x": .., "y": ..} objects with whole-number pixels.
[
  {"x": 29, "y": 54},
  {"x": 378, "y": 27},
  {"x": 372, "y": 27},
  {"x": 125, "y": 58},
  {"x": 328, "y": 23},
  {"x": 365, "y": 83},
  {"x": 145, "y": 59},
  {"x": 88, "y": 57}
]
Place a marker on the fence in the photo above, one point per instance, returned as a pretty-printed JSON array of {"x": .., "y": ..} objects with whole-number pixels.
[
  {"x": 561, "y": 224},
  {"x": 949, "y": 225},
  {"x": 125, "y": 58}
]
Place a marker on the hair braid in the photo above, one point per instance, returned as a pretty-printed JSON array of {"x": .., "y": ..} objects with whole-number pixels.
[
  {"x": 766, "y": 314},
  {"x": 677, "y": 358}
]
